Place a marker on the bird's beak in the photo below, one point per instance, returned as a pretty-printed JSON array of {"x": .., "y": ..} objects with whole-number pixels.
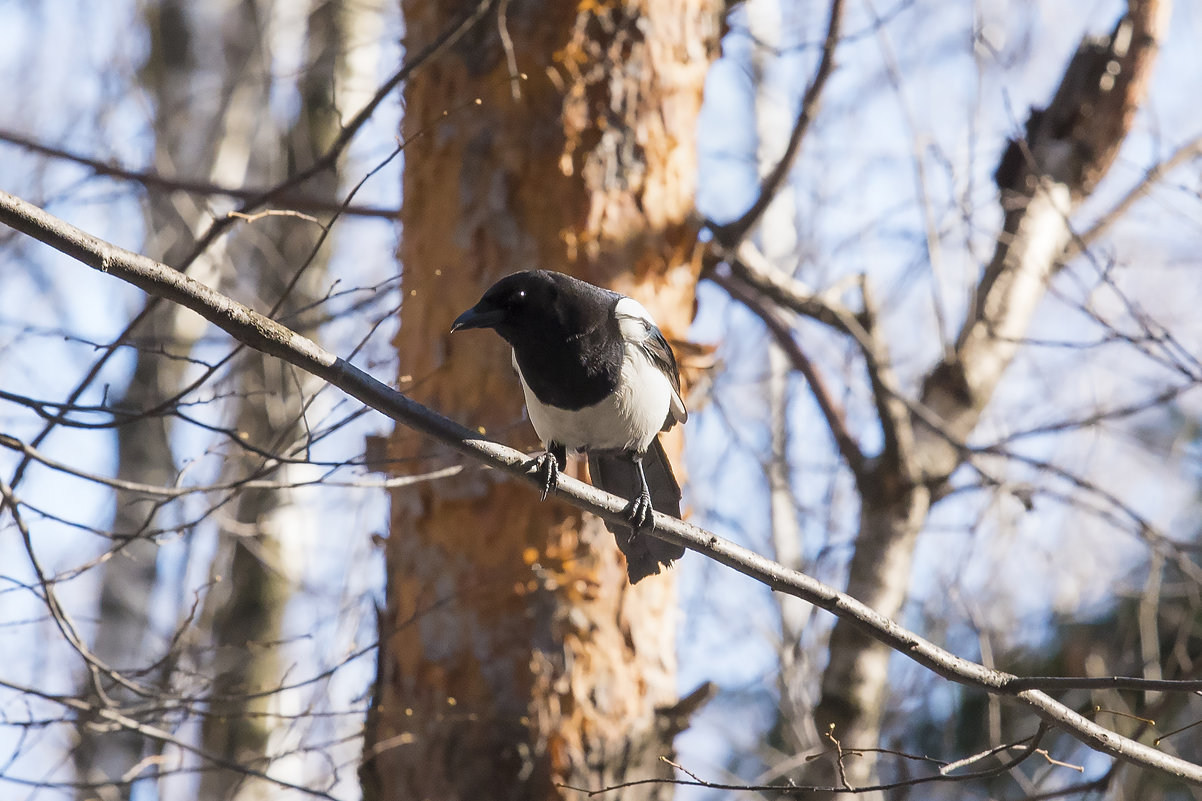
[{"x": 476, "y": 317}]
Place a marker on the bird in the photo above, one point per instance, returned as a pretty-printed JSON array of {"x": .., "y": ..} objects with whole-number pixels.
[{"x": 598, "y": 378}]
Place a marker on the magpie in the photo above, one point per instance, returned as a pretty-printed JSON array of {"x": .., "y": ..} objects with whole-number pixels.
[{"x": 599, "y": 378}]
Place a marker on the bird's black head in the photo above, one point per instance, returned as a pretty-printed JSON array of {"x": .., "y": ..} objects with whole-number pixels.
[
  {"x": 539, "y": 303},
  {"x": 567, "y": 342}
]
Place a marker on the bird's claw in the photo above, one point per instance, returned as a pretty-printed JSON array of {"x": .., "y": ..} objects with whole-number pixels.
[
  {"x": 641, "y": 513},
  {"x": 547, "y": 467}
]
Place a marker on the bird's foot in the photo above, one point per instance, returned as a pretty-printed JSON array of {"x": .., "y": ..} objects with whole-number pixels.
[
  {"x": 641, "y": 514},
  {"x": 548, "y": 465},
  {"x": 548, "y": 472}
]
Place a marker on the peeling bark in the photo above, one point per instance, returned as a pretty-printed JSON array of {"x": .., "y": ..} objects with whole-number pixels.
[{"x": 514, "y": 654}]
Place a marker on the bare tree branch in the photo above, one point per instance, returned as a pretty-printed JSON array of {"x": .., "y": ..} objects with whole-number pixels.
[
  {"x": 270, "y": 337},
  {"x": 732, "y": 233},
  {"x": 154, "y": 180},
  {"x": 1026, "y": 747},
  {"x": 1187, "y": 152},
  {"x": 763, "y": 283},
  {"x": 154, "y": 733},
  {"x": 752, "y": 268},
  {"x": 446, "y": 39},
  {"x": 835, "y": 419},
  {"x": 171, "y": 492}
]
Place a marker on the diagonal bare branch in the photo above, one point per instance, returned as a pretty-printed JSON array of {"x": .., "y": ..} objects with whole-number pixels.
[
  {"x": 270, "y": 337},
  {"x": 1189, "y": 151},
  {"x": 834, "y": 416}
]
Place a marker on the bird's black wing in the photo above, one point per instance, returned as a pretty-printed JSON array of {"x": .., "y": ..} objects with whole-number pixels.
[
  {"x": 661, "y": 354},
  {"x": 615, "y": 473}
]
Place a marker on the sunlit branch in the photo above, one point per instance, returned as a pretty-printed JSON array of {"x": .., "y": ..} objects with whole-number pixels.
[{"x": 270, "y": 337}]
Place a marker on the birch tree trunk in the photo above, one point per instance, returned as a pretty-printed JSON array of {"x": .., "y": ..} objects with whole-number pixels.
[
  {"x": 515, "y": 657},
  {"x": 282, "y": 267},
  {"x": 185, "y": 142},
  {"x": 1068, "y": 148}
]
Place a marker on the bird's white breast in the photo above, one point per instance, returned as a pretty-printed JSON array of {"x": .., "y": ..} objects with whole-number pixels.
[{"x": 626, "y": 420}]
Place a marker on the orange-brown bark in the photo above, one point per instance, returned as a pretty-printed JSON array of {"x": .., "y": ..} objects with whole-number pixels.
[{"x": 514, "y": 655}]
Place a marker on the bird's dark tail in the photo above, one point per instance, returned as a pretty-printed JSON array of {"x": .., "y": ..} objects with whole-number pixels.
[{"x": 615, "y": 473}]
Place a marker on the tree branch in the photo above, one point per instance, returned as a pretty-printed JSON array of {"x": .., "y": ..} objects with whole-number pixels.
[
  {"x": 732, "y": 233},
  {"x": 1027, "y": 747},
  {"x": 446, "y": 39},
  {"x": 153, "y": 180},
  {"x": 270, "y": 337},
  {"x": 835, "y": 419},
  {"x": 112, "y": 716},
  {"x": 1186, "y": 152}
]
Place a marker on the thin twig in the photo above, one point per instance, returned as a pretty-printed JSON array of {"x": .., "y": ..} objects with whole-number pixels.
[
  {"x": 835, "y": 419},
  {"x": 1027, "y": 746},
  {"x": 1190, "y": 150},
  {"x": 730, "y": 234},
  {"x": 166, "y": 183},
  {"x": 85, "y": 708},
  {"x": 443, "y": 41}
]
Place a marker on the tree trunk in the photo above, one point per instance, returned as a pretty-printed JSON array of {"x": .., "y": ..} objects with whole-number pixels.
[
  {"x": 281, "y": 267},
  {"x": 183, "y": 144},
  {"x": 515, "y": 656},
  {"x": 1068, "y": 148}
]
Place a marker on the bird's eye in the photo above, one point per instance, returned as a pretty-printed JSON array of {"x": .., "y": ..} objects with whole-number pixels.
[{"x": 521, "y": 294}]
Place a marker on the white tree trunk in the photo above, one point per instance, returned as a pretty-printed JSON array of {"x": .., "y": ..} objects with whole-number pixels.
[{"x": 1067, "y": 151}]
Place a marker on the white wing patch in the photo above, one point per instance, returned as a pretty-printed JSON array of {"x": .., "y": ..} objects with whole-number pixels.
[{"x": 634, "y": 320}]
